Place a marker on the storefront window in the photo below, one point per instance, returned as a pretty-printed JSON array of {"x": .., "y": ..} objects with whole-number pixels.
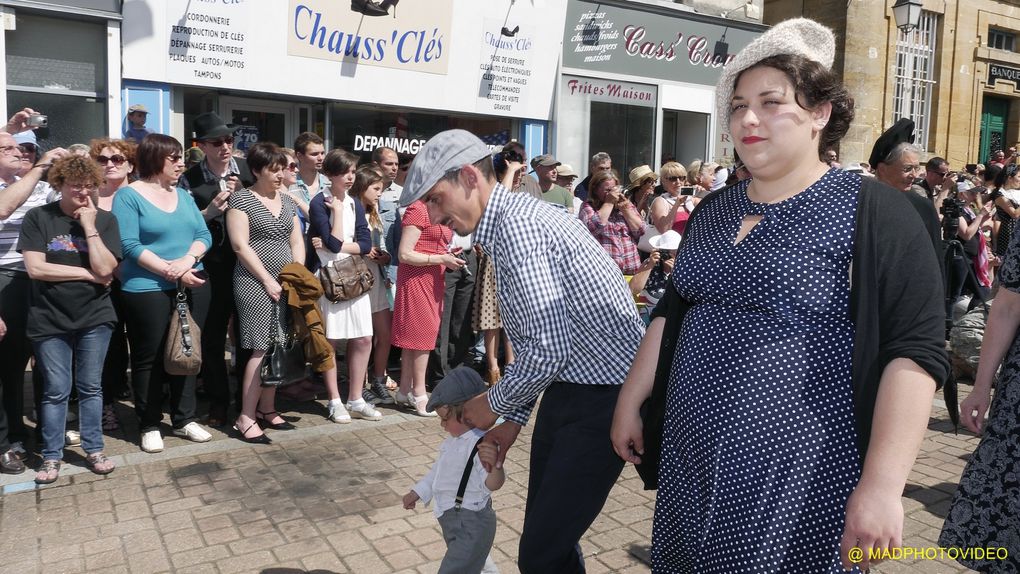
[
  {"x": 361, "y": 129},
  {"x": 58, "y": 67},
  {"x": 684, "y": 136},
  {"x": 606, "y": 115}
]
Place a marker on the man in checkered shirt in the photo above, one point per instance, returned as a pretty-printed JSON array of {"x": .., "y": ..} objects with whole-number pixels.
[{"x": 574, "y": 329}]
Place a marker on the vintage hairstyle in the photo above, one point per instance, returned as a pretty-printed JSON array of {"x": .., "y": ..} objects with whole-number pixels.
[
  {"x": 365, "y": 177},
  {"x": 73, "y": 169},
  {"x": 304, "y": 139},
  {"x": 597, "y": 180},
  {"x": 815, "y": 84},
  {"x": 152, "y": 153},
  {"x": 265, "y": 155},
  {"x": 338, "y": 162}
]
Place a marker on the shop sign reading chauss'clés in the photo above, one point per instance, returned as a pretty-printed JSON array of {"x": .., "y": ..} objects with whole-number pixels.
[{"x": 418, "y": 37}]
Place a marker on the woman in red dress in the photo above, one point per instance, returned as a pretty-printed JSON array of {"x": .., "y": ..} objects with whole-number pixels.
[{"x": 423, "y": 255}]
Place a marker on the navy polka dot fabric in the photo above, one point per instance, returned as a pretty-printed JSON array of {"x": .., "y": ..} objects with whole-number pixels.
[{"x": 759, "y": 451}]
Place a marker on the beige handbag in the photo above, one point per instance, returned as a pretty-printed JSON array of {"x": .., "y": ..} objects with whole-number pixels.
[{"x": 183, "y": 352}]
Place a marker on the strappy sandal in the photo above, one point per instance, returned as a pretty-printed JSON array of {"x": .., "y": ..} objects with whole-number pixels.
[
  {"x": 99, "y": 463},
  {"x": 48, "y": 473},
  {"x": 264, "y": 421}
]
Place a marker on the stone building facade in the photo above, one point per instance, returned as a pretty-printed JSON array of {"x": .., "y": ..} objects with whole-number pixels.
[{"x": 957, "y": 75}]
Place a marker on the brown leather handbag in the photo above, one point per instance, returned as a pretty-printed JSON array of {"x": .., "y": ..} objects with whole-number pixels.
[
  {"x": 183, "y": 352},
  {"x": 346, "y": 279}
]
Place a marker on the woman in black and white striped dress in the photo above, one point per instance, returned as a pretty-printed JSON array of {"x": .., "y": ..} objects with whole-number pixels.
[{"x": 265, "y": 232}]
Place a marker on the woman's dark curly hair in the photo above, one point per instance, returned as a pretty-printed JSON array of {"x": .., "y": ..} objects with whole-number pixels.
[{"x": 815, "y": 84}]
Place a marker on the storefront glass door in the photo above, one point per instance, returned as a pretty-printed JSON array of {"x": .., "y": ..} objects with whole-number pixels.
[{"x": 258, "y": 121}]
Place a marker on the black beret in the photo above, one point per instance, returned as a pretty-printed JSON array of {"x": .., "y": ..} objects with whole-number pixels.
[{"x": 900, "y": 132}]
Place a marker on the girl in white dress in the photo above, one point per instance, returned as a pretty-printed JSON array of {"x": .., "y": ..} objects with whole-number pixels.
[{"x": 339, "y": 223}]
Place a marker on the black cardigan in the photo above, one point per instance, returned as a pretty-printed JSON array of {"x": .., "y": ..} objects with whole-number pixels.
[{"x": 896, "y": 302}]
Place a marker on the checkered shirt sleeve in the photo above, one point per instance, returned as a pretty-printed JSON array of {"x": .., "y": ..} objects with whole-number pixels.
[{"x": 563, "y": 302}]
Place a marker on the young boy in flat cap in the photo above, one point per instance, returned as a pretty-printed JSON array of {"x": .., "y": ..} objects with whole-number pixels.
[{"x": 458, "y": 483}]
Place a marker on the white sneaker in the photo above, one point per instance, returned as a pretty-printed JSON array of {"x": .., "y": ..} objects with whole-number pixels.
[
  {"x": 362, "y": 410},
  {"x": 152, "y": 441},
  {"x": 337, "y": 412},
  {"x": 193, "y": 432},
  {"x": 72, "y": 438}
]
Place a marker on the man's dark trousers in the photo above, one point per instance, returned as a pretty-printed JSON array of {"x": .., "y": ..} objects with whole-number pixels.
[{"x": 573, "y": 468}]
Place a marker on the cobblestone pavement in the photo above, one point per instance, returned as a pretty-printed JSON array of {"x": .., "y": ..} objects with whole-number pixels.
[{"x": 326, "y": 498}]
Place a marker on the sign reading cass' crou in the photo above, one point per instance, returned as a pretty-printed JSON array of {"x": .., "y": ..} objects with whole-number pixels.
[
  {"x": 999, "y": 72},
  {"x": 328, "y": 30},
  {"x": 651, "y": 42}
]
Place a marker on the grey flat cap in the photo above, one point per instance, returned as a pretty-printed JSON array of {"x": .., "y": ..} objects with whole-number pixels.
[
  {"x": 799, "y": 36},
  {"x": 458, "y": 386},
  {"x": 443, "y": 153}
]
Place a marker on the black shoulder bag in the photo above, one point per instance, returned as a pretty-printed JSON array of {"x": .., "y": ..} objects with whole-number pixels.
[{"x": 284, "y": 362}]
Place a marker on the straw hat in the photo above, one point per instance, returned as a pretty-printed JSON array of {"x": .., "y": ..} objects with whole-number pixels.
[{"x": 639, "y": 174}]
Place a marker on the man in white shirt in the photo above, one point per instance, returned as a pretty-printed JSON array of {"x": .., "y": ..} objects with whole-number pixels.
[{"x": 17, "y": 196}]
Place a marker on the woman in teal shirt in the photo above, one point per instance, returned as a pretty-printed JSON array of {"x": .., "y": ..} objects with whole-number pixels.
[{"x": 163, "y": 237}]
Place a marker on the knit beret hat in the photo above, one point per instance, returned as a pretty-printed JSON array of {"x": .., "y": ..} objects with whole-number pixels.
[{"x": 799, "y": 36}]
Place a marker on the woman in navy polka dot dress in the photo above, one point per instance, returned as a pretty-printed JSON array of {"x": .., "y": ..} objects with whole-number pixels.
[{"x": 760, "y": 468}]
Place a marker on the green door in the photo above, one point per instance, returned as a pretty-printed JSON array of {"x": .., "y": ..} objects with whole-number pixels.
[{"x": 994, "y": 112}]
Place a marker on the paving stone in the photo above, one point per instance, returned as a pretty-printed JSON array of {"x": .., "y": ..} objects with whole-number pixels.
[
  {"x": 300, "y": 529},
  {"x": 105, "y": 561},
  {"x": 325, "y": 562},
  {"x": 182, "y": 540},
  {"x": 65, "y": 566},
  {"x": 246, "y": 563},
  {"x": 208, "y": 554},
  {"x": 210, "y": 523},
  {"x": 148, "y": 561},
  {"x": 252, "y": 544},
  {"x": 221, "y": 536},
  {"x": 300, "y": 549},
  {"x": 131, "y": 510}
]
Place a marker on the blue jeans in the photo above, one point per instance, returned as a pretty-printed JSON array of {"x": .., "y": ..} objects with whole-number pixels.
[{"x": 86, "y": 348}]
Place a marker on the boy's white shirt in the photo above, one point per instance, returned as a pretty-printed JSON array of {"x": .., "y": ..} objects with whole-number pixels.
[{"x": 440, "y": 484}]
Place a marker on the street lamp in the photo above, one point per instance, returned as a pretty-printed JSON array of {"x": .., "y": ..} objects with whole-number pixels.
[{"x": 907, "y": 14}]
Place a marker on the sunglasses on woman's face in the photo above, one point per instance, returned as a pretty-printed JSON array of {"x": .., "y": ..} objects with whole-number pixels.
[
  {"x": 116, "y": 159},
  {"x": 675, "y": 178}
]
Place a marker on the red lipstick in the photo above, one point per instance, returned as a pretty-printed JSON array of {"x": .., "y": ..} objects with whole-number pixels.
[{"x": 751, "y": 139}]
